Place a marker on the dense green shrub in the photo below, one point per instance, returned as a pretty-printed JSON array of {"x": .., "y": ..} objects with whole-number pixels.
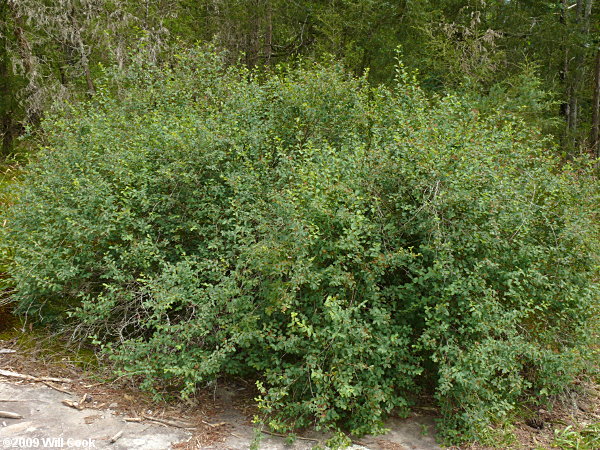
[{"x": 345, "y": 245}]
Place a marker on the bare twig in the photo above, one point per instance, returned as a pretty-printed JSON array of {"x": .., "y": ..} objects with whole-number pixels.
[
  {"x": 10, "y": 415},
  {"x": 9, "y": 374},
  {"x": 157, "y": 423},
  {"x": 167, "y": 422},
  {"x": 214, "y": 425},
  {"x": 116, "y": 437},
  {"x": 56, "y": 388},
  {"x": 72, "y": 404},
  {"x": 88, "y": 386}
]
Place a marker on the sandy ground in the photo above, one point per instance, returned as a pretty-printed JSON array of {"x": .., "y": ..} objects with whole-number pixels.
[
  {"x": 48, "y": 423},
  {"x": 54, "y": 419}
]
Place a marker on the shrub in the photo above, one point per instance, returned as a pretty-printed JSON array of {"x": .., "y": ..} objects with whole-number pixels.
[{"x": 343, "y": 244}]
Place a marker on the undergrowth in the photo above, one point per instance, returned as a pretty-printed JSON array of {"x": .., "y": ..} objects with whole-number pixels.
[{"x": 345, "y": 245}]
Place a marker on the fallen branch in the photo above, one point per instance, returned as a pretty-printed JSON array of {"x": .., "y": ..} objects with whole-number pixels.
[
  {"x": 56, "y": 388},
  {"x": 116, "y": 437},
  {"x": 72, "y": 404},
  {"x": 88, "y": 386},
  {"x": 10, "y": 415},
  {"x": 168, "y": 422},
  {"x": 9, "y": 374},
  {"x": 7, "y": 350},
  {"x": 157, "y": 423},
  {"x": 214, "y": 425}
]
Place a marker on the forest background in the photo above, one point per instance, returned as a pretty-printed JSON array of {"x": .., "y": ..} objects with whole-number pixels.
[{"x": 539, "y": 58}]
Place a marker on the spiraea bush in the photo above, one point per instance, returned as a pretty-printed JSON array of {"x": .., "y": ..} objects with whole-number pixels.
[{"x": 344, "y": 245}]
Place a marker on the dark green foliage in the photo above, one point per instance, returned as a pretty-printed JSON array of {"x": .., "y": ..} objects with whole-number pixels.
[{"x": 343, "y": 244}]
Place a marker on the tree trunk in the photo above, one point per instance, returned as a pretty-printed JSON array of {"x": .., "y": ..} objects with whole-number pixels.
[
  {"x": 268, "y": 32},
  {"x": 564, "y": 72},
  {"x": 6, "y": 113},
  {"x": 34, "y": 109},
  {"x": 5, "y": 91},
  {"x": 78, "y": 41},
  {"x": 595, "y": 136},
  {"x": 574, "y": 66}
]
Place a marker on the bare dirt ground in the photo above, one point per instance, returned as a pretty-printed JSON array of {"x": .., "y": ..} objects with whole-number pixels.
[{"x": 65, "y": 395}]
